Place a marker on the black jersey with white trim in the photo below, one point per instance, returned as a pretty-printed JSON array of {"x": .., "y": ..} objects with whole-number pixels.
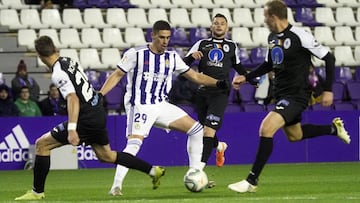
[
  {"x": 220, "y": 55},
  {"x": 290, "y": 54},
  {"x": 69, "y": 77}
]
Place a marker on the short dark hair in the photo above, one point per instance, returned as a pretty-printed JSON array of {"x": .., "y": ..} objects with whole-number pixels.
[
  {"x": 277, "y": 8},
  {"x": 44, "y": 46},
  {"x": 161, "y": 25},
  {"x": 219, "y": 15}
]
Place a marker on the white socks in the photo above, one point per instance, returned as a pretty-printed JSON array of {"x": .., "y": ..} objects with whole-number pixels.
[
  {"x": 195, "y": 146},
  {"x": 132, "y": 147}
]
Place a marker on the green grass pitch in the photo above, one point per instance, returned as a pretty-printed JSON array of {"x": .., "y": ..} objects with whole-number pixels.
[{"x": 311, "y": 182}]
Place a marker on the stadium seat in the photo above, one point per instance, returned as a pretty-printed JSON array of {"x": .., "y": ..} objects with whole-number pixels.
[
  {"x": 270, "y": 107},
  {"x": 72, "y": 18},
  {"x": 134, "y": 36},
  {"x": 10, "y": 18},
  {"x": 344, "y": 56},
  {"x": 142, "y": 3},
  {"x": 197, "y": 34},
  {"x": 31, "y": 19},
  {"x": 52, "y": 19},
  {"x": 155, "y": 14},
  {"x": 52, "y": 33},
  {"x": 325, "y": 36},
  {"x": 309, "y": 3},
  {"x": 319, "y": 107},
  {"x": 225, "y": 3},
  {"x": 259, "y": 17},
  {"x": 179, "y": 37},
  {"x": 72, "y": 53},
  {"x": 247, "y": 93},
  {"x": 89, "y": 58},
  {"x": 357, "y": 74},
  {"x": 233, "y": 108},
  {"x": 325, "y": 16},
  {"x": 292, "y": 3},
  {"x": 113, "y": 37},
  {"x": 306, "y": 17},
  {"x": 115, "y": 97},
  {"x": 98, "y": 3},
  {"x": 357, "y": 33},
  {"x": 39, "y": 63},
  {"x": 344, "y": 34},
  {"x": 116, "y": 17},
  {"x": 110, "y": 57},
  {"x": 343, "y": 74},
  {"x": 345, "y": 16},
  {"x": 80, "y": 4},
  {"x": 14, "y": 4},
  {"x": 204, "y": 4},
  {"x": 91, "y": 38},
  {"x": 253, "y": 107},
  {"x": 162, "y": 4},
  {"x": 358, "y": 14},
  {"x": 200, "y": 17},
  {"x": 357, "y": 54},
  {"x": 291, "y": 18},
  {"x": 349, "y": 3},
  {"x": 69, "y": 37},
  {"x": 242, "y": 36},
  {"x": 258, "y": 55},
  {"x": 93, "y": 78},
  {"x": 183, "y": 4},
  {"x": 317, "y": 62},
  {"x": 184, "y": 21},
  {"x": 321, "y": 71},
  {"x": 226, "y": 13},
  {"x": 245, "y": 58},
  {"x": 246, "y": 3},
  {"x": 125, "y": 4},
  {"x": 137, "y": 18},
  {"x": 260, "y": 35},
  {"x": 26, "y": 38},
  {"x": 329, "y": 3},
  {"x": 94, "y": 18},
  {"x": 338, "y": 90},
  {"x": 346, "y": 106},
  {"x": 353, "y": 88},
  {"x": 242, "y": 17}
]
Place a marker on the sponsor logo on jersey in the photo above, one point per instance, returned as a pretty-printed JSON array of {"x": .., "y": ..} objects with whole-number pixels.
[{"x": 15, "y": 147}]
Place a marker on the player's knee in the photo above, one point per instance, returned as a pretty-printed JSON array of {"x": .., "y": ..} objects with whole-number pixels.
[
  {"x": 40, "y": 145},
  {"x": 293, "y": 138},
  {"x": 106, "y": 158}
]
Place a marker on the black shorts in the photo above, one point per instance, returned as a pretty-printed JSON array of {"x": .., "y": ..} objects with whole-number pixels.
[
  {"x": 91, "y": 127},
  {"x": 210, "y": 107},
  {"x": 291, "y": 109}
]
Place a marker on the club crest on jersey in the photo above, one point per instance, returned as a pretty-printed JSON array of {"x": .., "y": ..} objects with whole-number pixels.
[
  {"x": 287, "y": 43},
  {"x": 215, "y": 56},
  {"x": 226, "y": 48}
]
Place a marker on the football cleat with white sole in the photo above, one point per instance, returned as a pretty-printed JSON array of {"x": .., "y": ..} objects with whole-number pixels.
[
  {"x": 341, "y": 131},
  {"x": 31, "y": 195},
  {"x": 211, "y": 184},
  {"x": 242, "y": 187},
  {"x": 116, "y": 191},
  {"x": 159, "y": 172}
]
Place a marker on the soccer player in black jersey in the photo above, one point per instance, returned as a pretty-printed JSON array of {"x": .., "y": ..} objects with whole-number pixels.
[
  {"x": 289, "y": 56},
  {"x": 86, "y": 121},
  {"x": 216, "y": 55}
]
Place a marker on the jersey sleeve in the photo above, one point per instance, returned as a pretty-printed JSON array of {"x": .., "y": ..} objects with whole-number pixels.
[
  {"x": 128, "y": 61},
  {"x": 309, "y": 42},
  {"x": 180, "y": 65},
  {"x": 62, "y": 80}
]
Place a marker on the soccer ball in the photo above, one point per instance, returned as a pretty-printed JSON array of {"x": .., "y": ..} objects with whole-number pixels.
[{"x": 195, "y": 180}]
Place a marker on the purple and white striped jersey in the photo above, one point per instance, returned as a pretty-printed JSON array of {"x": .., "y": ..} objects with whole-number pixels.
[{"x": 149, "y": 75}]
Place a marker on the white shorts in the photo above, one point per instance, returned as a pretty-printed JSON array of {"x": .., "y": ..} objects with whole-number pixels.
[{"x": 141, "y": 118}]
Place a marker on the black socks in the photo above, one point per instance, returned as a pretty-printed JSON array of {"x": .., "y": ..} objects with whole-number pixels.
[
  {"x": 133, "y": 162},
  {"x": 41, "y": 169}
]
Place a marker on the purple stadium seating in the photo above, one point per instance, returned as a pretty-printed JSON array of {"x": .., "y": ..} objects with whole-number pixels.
[
  {"x": 292, "y": 3},
  {"x": 98, "y": 3},
  {"x": 81, "y": 4},
  {"x": 115, "y": 98},
  {"x": 197, "y": 34},
  {"x": 344, "y": 106},
  {"x": 253, "y": 107},
  {"x": 245, "y": 58},
  {"x": 120, "y": 4},
  {"x": 93, "y": 78},
  {"x": 339, "y": 92},
  {"x": 306, "y": 17},
  {"x": 319, "y": 107},
  {"x": 270, "y": 107},
  {"x": 188, "y": 108},
  {"x": 309, "y": 3},
  {"x": 321, "y": 71},
  {"x": 343, "y": 74},
  {"x": 357, "y": 73},
  {"x": 148, "y": 35},
  {"x": 258, "y": 55},
  {"x": 247, "y": 92},
  {"x": 179, "y": 37},
  {"x": 353, "y": 88},
  {"x": 233, "y": 108}
]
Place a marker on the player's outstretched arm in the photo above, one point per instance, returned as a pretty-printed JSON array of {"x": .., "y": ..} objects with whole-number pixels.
[{"x": 111, "y": 81}]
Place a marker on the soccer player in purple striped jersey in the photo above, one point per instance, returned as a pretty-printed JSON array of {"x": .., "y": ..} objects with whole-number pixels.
[{"x": 149, "y": 71}]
